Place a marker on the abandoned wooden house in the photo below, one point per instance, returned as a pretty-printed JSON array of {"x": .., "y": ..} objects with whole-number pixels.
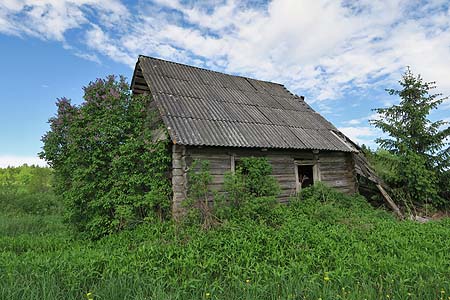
[{"x": 222, "y": 118}]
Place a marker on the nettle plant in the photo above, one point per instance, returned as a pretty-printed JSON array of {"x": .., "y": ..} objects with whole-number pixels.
[
  {"x": 249, "y": 192},
  {"x": 109, "y": 170}
]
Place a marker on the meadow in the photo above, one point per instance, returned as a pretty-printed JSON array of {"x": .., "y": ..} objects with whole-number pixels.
[{"x": 324, "y": 245}]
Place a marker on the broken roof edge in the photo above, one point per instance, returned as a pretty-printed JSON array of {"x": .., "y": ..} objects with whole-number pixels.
[{"x": 136, "y": 66}]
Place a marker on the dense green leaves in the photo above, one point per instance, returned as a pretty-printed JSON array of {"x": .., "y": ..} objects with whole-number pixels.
[
  {"x": 108, "y": 169},
  {"x": 249, "y": 191},
  {"x": 255, "y": 176},
  {"x": 423, "y": 155}
]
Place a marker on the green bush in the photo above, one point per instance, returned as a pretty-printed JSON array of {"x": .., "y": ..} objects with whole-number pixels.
[
  {"x": 249, "y": 192},
  {"x": 30, "y": 203},
  {"x": 109, "y": 167}
]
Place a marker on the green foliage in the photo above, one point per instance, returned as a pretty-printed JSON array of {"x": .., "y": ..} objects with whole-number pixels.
[
  {"x": 199, "y": 209},
  {"x": 28, "y": 190},
  {"x": 251, "y": 190},
  {"x": 254, "y": 173},
  {"x": 26, "y": 179},
  {"x": 328, "y": 245},
  {"x": 248, "y": 192},
  {"x": 109, "y": 171},
  {"x": 423, "y": 155}
]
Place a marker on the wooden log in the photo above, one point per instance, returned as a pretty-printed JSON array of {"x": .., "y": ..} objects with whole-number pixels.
[{"x": 389, "y": 201}]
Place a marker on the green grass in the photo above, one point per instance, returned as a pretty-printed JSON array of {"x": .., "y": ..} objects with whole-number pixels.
[{"x": 365, "y": 253}]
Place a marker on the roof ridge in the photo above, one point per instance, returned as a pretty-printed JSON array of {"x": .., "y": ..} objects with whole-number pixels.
[{"x": 204, "y": 69}]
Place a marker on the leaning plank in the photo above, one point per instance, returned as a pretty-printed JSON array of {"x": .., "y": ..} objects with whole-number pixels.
[{"x": 389, "y": 201}]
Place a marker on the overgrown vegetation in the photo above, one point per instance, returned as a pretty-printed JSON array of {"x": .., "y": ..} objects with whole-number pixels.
[
  {"x": 323, "y": 245},
  {"x": 109, "y": 168},
  {"x": 249, "y": 191},
  {"x": 418, "y": 152}
]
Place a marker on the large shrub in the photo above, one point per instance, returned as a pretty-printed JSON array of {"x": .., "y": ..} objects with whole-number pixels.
[
  {"x": 249, "y": 192},
  {"x": 108, "y": 166}
]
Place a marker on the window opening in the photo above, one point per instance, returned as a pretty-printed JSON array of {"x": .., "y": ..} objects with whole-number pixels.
[{"x": 305, "y": 175}]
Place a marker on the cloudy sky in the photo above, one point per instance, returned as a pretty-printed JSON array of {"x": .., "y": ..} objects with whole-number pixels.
[{"x": 340, "y": 55}]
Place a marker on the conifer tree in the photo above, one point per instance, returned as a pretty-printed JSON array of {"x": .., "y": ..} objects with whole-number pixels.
[{"x": 420, "y": 144}]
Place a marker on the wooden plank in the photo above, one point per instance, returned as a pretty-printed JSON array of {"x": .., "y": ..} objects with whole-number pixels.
[
  {"x": 337, "y": 177},
  {"x": 390, "y": 202},
  {"x": 225, "y": 165},
  {"x": 285, "y": 178}
]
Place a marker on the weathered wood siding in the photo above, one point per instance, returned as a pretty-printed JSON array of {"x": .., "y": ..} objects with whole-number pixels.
[{"x": 336, "y": 169}]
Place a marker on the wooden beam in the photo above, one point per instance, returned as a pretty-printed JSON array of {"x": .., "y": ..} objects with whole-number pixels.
[{"x": 389, "y": 201}]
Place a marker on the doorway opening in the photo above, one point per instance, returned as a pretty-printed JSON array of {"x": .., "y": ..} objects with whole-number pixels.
[{"x": 305, "y": 175}]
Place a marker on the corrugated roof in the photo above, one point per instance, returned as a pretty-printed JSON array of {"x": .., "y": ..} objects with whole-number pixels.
[{"x": 203, "y": 107}]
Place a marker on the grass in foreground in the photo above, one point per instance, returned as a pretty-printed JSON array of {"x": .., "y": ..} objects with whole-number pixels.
[{"x": 325, "y": 246}]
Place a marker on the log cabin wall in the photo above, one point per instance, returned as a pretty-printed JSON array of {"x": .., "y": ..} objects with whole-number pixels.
[
  {"x": 179, "y": 179},
  {"x": 335, "y": 169}
]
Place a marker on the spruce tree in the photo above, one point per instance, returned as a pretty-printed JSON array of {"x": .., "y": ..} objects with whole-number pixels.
[{"x": 420, "y": 144}]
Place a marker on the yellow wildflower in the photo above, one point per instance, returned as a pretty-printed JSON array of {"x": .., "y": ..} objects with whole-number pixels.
[
  {"x": 247, "y": 281},
  {"x": 207, "y": 295},
  {"x": 326, "y": 277},
  {"x": 90, "y": 296},
  {"x": 442, "y": 291}
]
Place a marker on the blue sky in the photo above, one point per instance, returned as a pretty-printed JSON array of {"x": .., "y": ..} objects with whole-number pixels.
[{"x": 340, "y": 54}]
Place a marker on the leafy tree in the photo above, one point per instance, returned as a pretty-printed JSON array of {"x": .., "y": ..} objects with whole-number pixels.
[
  {"x": 419, "y": 144},
  {"x": 108, "y": 168}
]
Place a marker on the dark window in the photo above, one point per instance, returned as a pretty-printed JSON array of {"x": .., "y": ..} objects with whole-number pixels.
[{"x": 305, "y": 175}]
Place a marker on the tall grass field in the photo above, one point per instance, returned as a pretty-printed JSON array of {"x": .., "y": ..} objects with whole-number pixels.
[{"x": 322, "y": 246}]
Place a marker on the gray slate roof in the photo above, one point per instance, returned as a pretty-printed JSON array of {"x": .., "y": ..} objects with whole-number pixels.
[{"x": 203, "y": 107}]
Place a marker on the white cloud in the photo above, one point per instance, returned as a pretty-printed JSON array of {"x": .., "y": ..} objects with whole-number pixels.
[
  {"x": 51, "y": 19},
  {"x": 320, "y": 48},
  {"x": 98, "y": 40},
  {"x": 360, "y": 134},
  {"x": 16, "y": 161},
  {"x": 365, "y": 119},
  {"x": 325, "y": 48}
]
